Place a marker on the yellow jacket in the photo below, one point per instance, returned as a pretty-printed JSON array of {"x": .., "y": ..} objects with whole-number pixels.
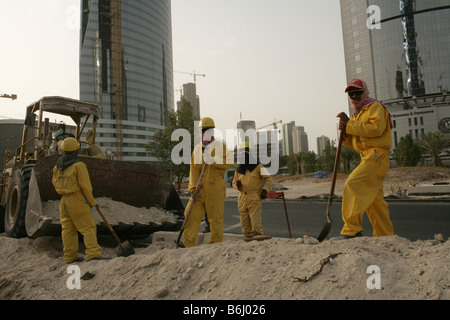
[
  {"x": 369, "y": 129},
  {"x": 73, "y": 179},
  {"x": 215, "y": 171},
  {"x": 252, "y": 181}
]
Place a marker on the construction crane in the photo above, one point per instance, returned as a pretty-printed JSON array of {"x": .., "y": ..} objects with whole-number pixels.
[
  {"x": 9, "y": 96},
  {"x": 192, "y": 74},
  {"x": 181, "y": 91},
  {"x": 117, "y": 72},
  {"x": 274, "y": 124}
]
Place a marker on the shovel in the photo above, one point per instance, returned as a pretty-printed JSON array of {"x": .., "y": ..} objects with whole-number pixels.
[
  {"x": 326, "y": 229},
  {"x": 125, "y": 249},
  {"x": 285, "y": 212}
]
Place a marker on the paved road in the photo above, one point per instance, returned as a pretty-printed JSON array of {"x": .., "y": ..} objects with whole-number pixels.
[{"x": 411, "y": 220}]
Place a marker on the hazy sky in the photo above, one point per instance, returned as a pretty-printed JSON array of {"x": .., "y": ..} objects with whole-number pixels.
[{"x": 270, "y": 60}]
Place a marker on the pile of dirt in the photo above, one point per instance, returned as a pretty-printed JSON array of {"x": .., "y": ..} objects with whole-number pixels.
[
  {"x": 396, "y": 182},
  {"x": 276, "y": 269},
  {"x": 281, "y": 269},
  {"x": 402, "y": 177},
  {"x": 118, "y": 213}
]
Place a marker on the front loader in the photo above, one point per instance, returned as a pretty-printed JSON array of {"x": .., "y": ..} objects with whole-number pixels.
[{"x": 25, "y": 182}]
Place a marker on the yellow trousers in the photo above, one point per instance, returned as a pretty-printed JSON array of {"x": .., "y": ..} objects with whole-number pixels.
[
  {"x": 76, "y": 216},
  {"x": 213, "y": 203},
  {"x": 250, "y": 207},
  {"x": 363, "y": 192}
]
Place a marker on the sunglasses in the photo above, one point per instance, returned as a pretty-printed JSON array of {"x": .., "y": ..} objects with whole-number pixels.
[{"x": 355, "y": 93}]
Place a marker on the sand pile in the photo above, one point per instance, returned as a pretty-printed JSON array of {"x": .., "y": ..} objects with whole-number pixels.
[
  {"x": 276, "y": 269},
  {"x": 118, "y": 212},
  {"x": 273, "y": 269},
  {"x": 396, "y": 182}
]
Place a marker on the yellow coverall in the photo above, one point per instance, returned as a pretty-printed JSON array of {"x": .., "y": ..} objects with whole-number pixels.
[
  {"x": 212, "y": 195},
  {"x": 370, "y": 135},
  {"x": 74, "y": 185},
  {"x": 249, "y": 201}
]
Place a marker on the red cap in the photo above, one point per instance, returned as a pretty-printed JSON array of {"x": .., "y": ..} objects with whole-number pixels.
[{"x": 355, "y": 83}]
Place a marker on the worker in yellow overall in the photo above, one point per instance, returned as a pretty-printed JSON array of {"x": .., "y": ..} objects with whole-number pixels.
[
  {"x": 71, "y": 180},
  {"x": 368, "y": 131},
  {"x": 211, "y": 199},
  {"x": 249, "y": 178}
]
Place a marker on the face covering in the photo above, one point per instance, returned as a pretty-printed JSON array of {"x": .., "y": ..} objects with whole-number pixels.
[
  {"x": 364, "y": 100},
  {"x": 207, "y": 137},
  {"x": 250, "y": 163},
  {"x": 67, "y": 159}
]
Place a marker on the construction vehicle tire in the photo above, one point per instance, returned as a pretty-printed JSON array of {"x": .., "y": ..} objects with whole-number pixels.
[{"x": 16, "y": 203}]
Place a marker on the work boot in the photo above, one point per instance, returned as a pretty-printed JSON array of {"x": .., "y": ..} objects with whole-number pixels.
[
  {"x": 251, "y": 234},
  {"x": 345, "y": 237},
  {"x": 79, "y": 259},
  {"x": 358, "y": 235}
]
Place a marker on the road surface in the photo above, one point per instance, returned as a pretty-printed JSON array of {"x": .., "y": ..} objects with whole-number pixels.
[{"x": 411, "y": 220}]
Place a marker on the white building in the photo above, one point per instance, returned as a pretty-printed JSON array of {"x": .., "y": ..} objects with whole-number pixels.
[
  {"x": 299, "y": 140},
  {"x": 321, "y": 144}
]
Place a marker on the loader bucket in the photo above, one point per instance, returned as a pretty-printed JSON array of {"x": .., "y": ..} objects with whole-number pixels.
[{"x": 136, "y": 184}]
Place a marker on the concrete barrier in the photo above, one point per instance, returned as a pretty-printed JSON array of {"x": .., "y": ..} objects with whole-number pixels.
[{"x": 429, "y": 189}]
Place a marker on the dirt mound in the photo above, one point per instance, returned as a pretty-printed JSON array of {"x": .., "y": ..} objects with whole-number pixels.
[
  {"x": 405, "y": 176},
  {"x": 281, "y": 269},
  {"x": 276, "y": 269},
  {"x": 402, "y": 176},
  {"x": 396, "y": 182}
]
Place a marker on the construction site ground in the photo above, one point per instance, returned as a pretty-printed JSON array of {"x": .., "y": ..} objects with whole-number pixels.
[{"x": 275, "y": 269}]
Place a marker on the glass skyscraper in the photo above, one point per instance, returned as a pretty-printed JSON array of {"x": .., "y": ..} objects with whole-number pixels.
[
  {"x": 401, "y": 48},
  {"x": 126, "y": 66}
]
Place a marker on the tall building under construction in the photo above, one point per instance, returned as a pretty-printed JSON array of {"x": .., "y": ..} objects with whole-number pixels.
[{"x": 126, "y": 66}]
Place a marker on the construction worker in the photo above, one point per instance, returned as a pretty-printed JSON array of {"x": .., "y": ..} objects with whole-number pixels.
[
  {"x": 211, "y": 198},
  {"x": 254, "y": 182},
  {"x": 368, "y": 131},
  {"x": 71, "y": 180}
]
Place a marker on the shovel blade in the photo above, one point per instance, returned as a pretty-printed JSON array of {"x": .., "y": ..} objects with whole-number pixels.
[
  {"x": 124, "y": 249},
  {"x": 325, "y": 231}
]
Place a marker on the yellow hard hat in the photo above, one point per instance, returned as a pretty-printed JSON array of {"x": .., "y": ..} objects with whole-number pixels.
[
  {"x": 245, "y": 145},
  {"x": 206, "y": 123},
  {"x": 70, "y": 144}
]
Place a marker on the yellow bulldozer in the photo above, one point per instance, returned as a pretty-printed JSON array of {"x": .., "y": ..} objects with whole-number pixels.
[{"x": 25, "y": 182}]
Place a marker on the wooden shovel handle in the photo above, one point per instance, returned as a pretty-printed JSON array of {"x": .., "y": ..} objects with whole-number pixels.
[
  {"x": 108, "y": 225},
  {"x": 336, "y": 163}
]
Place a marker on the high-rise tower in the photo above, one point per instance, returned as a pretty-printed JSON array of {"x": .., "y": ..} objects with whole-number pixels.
[{"x": 126, "y": 66}]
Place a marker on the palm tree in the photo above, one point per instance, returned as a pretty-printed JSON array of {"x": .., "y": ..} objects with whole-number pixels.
[{"x": 433, "y": 143}]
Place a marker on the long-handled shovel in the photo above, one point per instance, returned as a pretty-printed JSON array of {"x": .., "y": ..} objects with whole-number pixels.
[
  {"x": 192, "y": 202},
  {"x": 326, "y": 229},
  {"x": 125, "y": 249},
  {"x": 285, "y": 212}
]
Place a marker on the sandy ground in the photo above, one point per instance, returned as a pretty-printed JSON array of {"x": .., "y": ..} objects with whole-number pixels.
[{"x": 277, "y": 269}]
